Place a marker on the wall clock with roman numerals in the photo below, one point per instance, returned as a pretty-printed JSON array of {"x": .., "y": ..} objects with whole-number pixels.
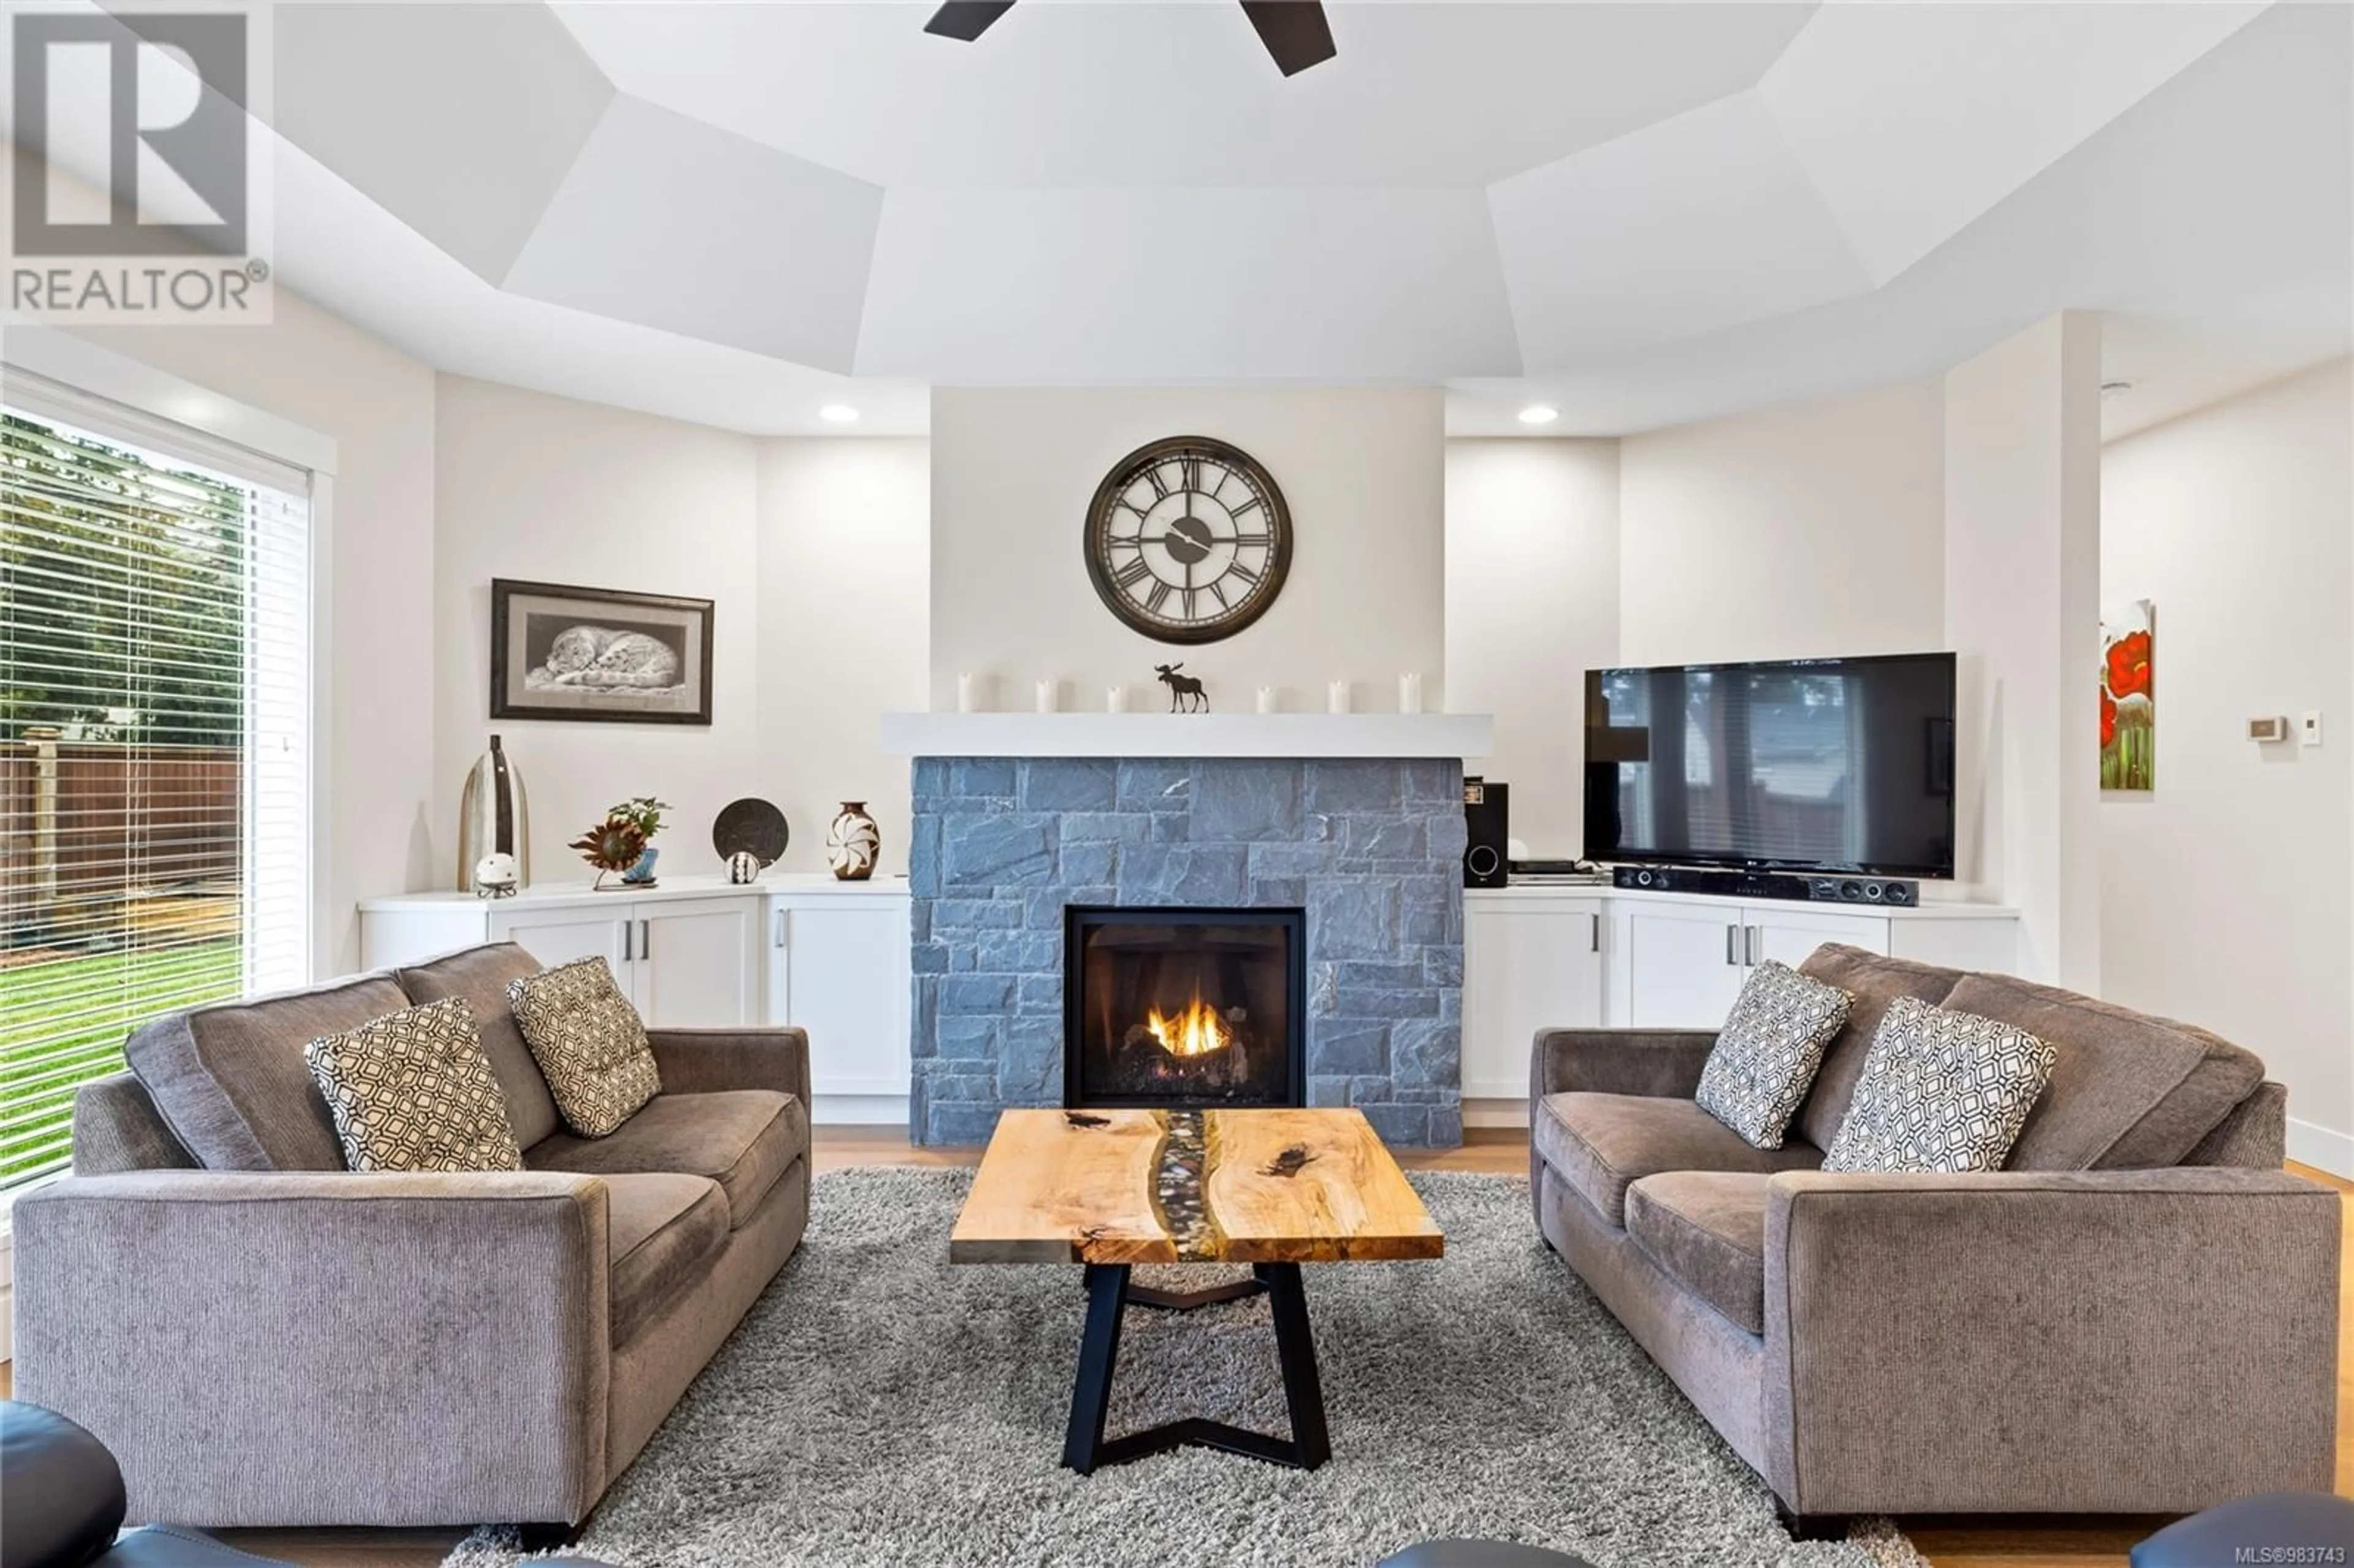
[{"x": 1188, "y": 539}]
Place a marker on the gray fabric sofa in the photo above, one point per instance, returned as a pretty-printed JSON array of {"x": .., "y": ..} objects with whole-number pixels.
[
  {"x": 2137, "y": 1315},
  {"x": 265, "y": 1338}
]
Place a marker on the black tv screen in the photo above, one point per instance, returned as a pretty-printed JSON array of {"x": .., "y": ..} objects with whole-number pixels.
[{"x": 1814, "y": 764}]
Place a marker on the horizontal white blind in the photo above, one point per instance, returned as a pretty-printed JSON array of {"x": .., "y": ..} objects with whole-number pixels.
[{"x": 155, "y": 744}]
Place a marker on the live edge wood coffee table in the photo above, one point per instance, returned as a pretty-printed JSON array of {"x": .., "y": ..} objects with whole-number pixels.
[{"x": 1110, "y": 1189}]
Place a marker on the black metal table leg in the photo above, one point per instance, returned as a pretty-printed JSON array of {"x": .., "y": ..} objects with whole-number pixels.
[
  {"x": 1086, "y": 1447},
  {"x": 1098, "y": 1353}
]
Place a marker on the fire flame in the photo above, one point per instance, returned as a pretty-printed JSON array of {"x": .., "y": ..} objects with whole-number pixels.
[{"x": 1196, "y": 1031}]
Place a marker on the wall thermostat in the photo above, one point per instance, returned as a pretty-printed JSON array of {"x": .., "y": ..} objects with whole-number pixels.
[{"x": 2268, "y": 729}]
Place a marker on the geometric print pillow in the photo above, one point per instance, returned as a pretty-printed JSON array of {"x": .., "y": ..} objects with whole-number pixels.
[
  {"x": 1769, "y": 1050},
  {"x": 589, "y": 1044},
  {"x": 412, "y": 1091},
  {"x": 1940, "y": 1091}
]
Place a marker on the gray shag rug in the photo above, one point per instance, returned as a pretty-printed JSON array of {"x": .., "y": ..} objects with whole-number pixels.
[{"x": 879, "y": 1406}]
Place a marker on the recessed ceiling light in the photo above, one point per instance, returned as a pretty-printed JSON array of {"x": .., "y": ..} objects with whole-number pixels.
[
  {"x": 1539, "y": 414},
  {"x": 838, "y": 414}
]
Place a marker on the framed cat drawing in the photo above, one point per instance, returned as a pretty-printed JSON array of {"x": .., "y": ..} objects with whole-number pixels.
[{"x": 604, "y": 654}]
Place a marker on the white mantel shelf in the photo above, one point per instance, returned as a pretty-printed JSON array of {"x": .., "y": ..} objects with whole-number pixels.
[{"x": 1189, "y": 734}]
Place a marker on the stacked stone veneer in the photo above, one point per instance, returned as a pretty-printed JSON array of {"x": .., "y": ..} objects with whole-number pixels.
[{"x": 1372, "y": 850}]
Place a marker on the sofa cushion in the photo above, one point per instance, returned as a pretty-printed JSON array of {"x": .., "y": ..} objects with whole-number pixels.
[
  {"x": 742, "y": 1139},
  {"x": 411, "y": 1091},
  {"x": 659, "y": 1231},
  {"x": 589, "y": 1044},
  {"x": 2129, "y": 1091},
  {"x": 1872, "y": 983},
  {"x": 1768, "y": 1052},
  {"x": 1941, "y": 1091},
  {"x": 231, "y": 1081},
  {"x": 1601, "y": 1143},
  {"x": 1707, "y": 1230},
  {"x": 480, "y": 976}
]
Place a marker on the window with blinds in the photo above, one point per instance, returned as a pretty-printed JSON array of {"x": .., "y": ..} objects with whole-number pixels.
[{"x": 154, "y": 740}]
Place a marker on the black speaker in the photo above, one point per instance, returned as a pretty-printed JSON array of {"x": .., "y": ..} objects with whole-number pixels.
[
  {"x": 1864, "y": 890},
  {"x": 1486, "y": 814}
]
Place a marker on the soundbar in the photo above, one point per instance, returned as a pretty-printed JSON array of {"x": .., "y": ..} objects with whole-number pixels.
[{"x": 1819, "y": 889}]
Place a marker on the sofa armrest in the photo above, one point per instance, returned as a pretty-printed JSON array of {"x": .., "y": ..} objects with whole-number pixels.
[
  {"x": 2108, "y": 1341},
  {"x": 1658, "y": 1062},
  {"x": 699, "y": 1061},
  {"x": 321, "y": 1348}
]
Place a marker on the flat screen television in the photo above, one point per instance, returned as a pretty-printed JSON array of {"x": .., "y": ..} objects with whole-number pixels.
[{"x": 1806, "y": 765}]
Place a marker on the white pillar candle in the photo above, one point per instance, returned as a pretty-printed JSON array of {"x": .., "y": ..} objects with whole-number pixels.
[
  {"x": 966, "y": 701},
  {"x": 1410, "y": 693},
  {"x": 1116, "y": 699},
  {"x": 1336, "y": 697},
  {"x": 1049, "y": 696},
  {"x": 1266, "y": 699}
]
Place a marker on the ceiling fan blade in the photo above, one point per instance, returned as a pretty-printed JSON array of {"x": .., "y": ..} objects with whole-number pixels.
[
  {"x": 1294, "y": 31},
  {"x": 967, "y": 19}
]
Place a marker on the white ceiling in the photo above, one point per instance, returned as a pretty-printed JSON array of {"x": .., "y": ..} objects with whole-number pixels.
[{"x": 1642, "y": 213}]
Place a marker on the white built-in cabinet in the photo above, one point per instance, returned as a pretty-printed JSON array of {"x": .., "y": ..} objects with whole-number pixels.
[
  {"x": 698, "y": 952},
  {"x": 837, "y": 964},
  {"x": 1531, "y": 960}
]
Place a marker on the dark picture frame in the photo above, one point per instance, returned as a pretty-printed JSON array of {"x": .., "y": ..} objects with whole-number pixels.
[{"x": 592, "y": 655}]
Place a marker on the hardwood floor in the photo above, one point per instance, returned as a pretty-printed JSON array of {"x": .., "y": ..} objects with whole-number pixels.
[{"x": 2024, "y": 1543}]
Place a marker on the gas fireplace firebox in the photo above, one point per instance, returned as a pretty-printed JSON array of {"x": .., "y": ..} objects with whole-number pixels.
[{"x": 1183, "y": 1008}]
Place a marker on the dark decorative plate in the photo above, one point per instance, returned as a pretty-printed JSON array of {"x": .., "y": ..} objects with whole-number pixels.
[{"x": 749, "y": 825}]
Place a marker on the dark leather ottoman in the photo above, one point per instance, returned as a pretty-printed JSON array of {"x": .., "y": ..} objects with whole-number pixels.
[{"x": 2271, "y": 1527}]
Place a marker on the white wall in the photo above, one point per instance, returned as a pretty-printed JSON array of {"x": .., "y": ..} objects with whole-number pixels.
[
  {"x": 1014, "y": 470},
  {"x": 315, "y": 370},
  {"x": 1813, "y": 529},
  {"x": 549, "y": 489},
  {"x": 844, "y": 543},
  {"x": 2023, "y": 609},
  {"x": 1532, "y": 541},
  {"x": 2225, "y": 893}
]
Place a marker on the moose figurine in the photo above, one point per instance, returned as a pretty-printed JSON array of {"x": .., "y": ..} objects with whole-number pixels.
[{"x": 1185, "y": 692}]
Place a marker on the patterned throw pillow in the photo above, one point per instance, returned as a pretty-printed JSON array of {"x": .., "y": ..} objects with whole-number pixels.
[
  {"x": 589, "y": 1042},
  {"x": 412, "y": 1091},
  {"x": 1940, "y": 1091},
  {"x": 1766, "y": 1057}
]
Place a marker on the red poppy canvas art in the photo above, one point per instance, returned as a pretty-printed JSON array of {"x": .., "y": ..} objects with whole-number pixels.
[{"x": 2128, "y": 686}]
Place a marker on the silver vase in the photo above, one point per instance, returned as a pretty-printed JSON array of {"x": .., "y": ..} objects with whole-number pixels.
[{"x": 494, "y": 818}]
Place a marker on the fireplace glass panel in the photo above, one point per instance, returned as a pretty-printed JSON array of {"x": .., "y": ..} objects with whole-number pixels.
[{"x": 1184, "y": 1007}]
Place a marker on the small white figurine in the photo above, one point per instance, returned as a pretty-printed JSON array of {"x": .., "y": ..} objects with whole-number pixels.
[{"x": 495, "y": 876}]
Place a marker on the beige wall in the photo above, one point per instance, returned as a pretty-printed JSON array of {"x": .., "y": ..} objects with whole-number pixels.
[
  {"x": 1012, "y": 474},
  {"x": 843, "y": 581},
  {"x": 1813, "y": 529},
  {"x": 2226, "y": 896},
  {"x": 376, "y": 403},
  {"x": 549, "y": 489},
  {"x": 1532, "y": 543}
]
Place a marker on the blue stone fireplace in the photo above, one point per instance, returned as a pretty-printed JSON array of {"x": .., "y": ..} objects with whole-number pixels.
[{"x": 1369, "y": 850}]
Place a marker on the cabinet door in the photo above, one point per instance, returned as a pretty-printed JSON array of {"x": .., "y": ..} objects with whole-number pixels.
[
  {"x": 842, "y": 974},
  {"x": 1684, "y": 964},
  {"x": 1790, "y": 936},
  {"x": 698, "y": 963},
  {"x": 559, "y": 935},
  {"x": 1527, "y": 965}
]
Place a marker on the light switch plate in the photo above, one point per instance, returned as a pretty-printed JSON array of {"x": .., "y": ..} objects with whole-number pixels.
[{"x": 2310, "y": 733}]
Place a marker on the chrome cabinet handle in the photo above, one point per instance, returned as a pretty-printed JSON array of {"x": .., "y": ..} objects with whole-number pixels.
[
  {"x": 629, "y": 928},
  {"x": 645, "y": 938},
  {"x": 780, "y": 928},
  {"x": 1749, "y": 946},
  {"x": 1733, "y": 946},
  {"x": 1598, "y": 931}
]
